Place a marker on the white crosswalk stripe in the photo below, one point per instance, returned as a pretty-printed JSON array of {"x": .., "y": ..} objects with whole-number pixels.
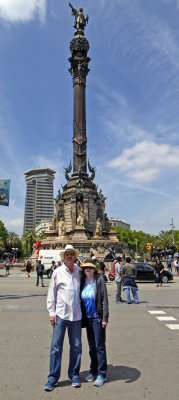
[
  {"x": 157, "y": 312},
  {"x": 166, "y": 318},
  {"x": 161, "y": 316},
  {"x": 173, "y": 326}
]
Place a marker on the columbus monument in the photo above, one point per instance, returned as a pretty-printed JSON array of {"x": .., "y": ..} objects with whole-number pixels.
[{"x": 80, "y": 217}]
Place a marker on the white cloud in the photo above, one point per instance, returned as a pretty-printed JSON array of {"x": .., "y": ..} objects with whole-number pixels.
[
  {"x": 145, "y": 161},
  {"x": 145, "y": 175},
  {"x": 22, "y": 10}
]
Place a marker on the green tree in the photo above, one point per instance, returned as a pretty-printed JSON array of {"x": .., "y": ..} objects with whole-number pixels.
[
  {"x": 132, "y": 238},
  {"x": 176, "y": 235},
  {"x": 165, "y": 239},
  {"x": 136, "y": 240},
  {"x": 3, "y": 233},
  {"x": 29, "y": 237},
  {"x": 1, "y": 244},
  {"x": 13, "y": 240}
]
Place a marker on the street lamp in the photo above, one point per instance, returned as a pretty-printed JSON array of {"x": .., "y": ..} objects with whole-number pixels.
[
  {"x": 173, "y": 233},
  {"x": 136, "y": 249},
  {"x": 15, "y": 249}
]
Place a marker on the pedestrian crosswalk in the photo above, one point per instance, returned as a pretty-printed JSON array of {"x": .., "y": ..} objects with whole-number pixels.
[
  {"x": 162, "y": 316},
  {"x": 166, "y": 318},
  {"x": 173, "y": 326},
  {"x": 157, "y": 312}
]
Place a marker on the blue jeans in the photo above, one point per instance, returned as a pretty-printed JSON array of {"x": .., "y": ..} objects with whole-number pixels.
[
  {"x": 74, "y": 334},
  {"x": 118, "y": 292},
  {"x": 97, "y": 346},
  {"x": 134, "y": 293},
  {"x": 41, "y": 278}
]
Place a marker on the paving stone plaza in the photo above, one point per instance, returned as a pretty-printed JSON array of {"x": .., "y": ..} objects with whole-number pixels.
[{"x": 133, "y": 335}]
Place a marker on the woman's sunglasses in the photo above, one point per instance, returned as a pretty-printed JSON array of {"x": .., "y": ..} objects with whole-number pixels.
[{"x": 89, "y": 267}]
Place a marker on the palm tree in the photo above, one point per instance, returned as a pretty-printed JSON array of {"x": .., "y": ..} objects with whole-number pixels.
[
  {"x": 29, "y": 237},
  {"x": 165, "y": 239},
  {"x": 13, "y": 241}
]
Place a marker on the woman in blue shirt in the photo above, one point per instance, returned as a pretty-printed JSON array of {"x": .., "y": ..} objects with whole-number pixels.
[{"x": 94, "y": 301}]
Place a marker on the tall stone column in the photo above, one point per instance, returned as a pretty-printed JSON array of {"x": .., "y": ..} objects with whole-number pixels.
[{"x": 79, "y": 47}]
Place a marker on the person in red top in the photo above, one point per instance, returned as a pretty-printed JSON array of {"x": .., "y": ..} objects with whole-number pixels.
[{"x": 115, "y": 261}]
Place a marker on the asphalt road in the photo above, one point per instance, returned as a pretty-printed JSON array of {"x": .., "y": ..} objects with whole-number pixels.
[{"x": 143, "y": 359}]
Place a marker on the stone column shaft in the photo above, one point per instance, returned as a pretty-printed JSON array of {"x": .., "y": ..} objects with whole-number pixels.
[
  {"x": 79, "y": 124},
  {"x": 79, "y": 47}
]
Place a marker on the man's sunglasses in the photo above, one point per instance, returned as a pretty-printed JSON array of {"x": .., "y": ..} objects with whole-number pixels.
[{"x": 70, "y": 253}]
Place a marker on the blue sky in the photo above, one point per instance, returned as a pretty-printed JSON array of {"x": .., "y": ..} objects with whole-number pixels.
[{"x": 132, "y": 101}]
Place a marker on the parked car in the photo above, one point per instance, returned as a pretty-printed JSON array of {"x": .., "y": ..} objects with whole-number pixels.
[{"x": 145, "y": 272}]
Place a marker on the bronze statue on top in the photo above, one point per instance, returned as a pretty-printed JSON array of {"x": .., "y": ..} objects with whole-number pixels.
[{"x": 80, "y": 20}]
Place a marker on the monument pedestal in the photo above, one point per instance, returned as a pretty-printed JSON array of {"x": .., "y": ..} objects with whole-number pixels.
[
  {"x": 61, "y": 238},
  {"x": 79, "y": 234},
  {"x": 112, "y": 235}
]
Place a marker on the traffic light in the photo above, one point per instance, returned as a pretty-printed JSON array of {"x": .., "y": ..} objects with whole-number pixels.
[{"x": 148, "y": 246}]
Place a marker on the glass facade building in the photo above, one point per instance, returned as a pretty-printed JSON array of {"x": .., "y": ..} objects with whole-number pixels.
[{"x": 39, "y": 203}]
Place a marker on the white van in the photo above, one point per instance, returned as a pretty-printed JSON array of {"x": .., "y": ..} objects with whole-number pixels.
[{"x": 47, "y": 256}]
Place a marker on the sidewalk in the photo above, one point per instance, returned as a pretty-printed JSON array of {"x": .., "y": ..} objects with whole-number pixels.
[{"x": 132, "y": 336}]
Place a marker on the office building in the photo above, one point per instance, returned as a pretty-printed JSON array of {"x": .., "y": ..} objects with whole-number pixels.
[
  {"x": 118, "y": 222},
  {"x": 39, "y": 203}
]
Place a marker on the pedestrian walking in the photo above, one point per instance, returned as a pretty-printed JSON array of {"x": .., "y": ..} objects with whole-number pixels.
[
  {"x": 95, "y": 319},
  {"x": 176, "y": 266},
  {"x": 118, "y": 279},
  {"x": 113, "y": 267},
  {"x": 59, "y": 263},
  {"x": 40, "y": 269},
  {"x": 28, "y": 268},
  {"x": 7, "y": 264},
  {"x": 52, "y": 268},
  {"x": 25, "y": 262},
  {"x": 96, "y": 263},
  {"x": 128, "y": 278},
  {"x": 158, "y": 270},
  {"x": 169, "y": 264},
  {"x": 63, "y": 304},
  {"x": 102, "y": 266}
]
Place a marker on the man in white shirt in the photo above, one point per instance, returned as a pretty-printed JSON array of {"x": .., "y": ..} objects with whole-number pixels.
[
  {"x": 176, "y": 265},
  {"x": 63, "y": 304},
  {"x": 118, "y": 269}
]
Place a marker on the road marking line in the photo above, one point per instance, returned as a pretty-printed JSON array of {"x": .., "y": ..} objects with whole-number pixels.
[
  {"x": 157, "y": 312},
  {"x": 173, "y": 326},
  {"x": 166, "y": 318}
]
